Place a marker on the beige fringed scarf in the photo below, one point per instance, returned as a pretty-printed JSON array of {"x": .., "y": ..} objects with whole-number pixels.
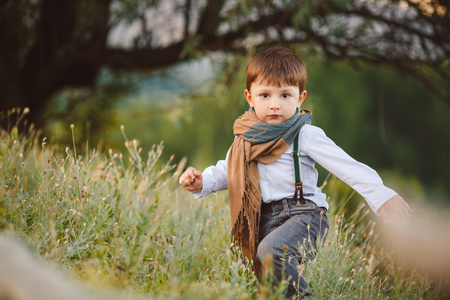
[{"x": 256, "y": 141}]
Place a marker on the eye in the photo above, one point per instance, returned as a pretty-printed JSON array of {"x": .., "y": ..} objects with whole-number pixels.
[
  {"x": 285, "y": 95},
  {"x": 264, "y": 95}
]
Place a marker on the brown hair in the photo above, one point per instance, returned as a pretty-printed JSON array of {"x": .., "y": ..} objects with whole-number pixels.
[{"x": 278, "y": 66}]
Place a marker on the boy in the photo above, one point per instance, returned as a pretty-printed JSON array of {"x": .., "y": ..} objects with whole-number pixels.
[{"x": 272, "y": 210}]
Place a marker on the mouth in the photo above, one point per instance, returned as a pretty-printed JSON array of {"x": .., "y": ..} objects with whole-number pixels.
[{"x": 274, "y": 116}]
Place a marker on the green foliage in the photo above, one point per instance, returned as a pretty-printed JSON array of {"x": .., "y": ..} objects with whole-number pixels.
[
  {"x": 197, "y": 124},
  {"x": 90, "y": 110},
  {"x": 383, "y": 119},
  {"x": 129, "y": 226}
]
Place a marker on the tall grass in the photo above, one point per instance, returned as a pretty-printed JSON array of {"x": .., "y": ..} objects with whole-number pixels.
[{"x": 118, "y": 222}]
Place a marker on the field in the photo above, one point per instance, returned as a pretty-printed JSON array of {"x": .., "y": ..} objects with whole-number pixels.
[{"x": 118, "y": 222}]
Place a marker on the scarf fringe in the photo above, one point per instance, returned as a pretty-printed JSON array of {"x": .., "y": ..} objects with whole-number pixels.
[{"x": 248, "y": 223}]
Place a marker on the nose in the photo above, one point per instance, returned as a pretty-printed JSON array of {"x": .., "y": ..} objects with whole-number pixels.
[{"x": 275, "y": 103}]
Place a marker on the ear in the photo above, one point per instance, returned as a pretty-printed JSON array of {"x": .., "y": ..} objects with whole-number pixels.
[
  {"x": 248, "y": 97},
  {"x": 301, "y": 98}
]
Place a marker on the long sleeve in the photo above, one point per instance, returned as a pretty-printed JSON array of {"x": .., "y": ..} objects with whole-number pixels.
[
  {"x": 214, "y": 179},
  {"x": 359, "y": 176}
]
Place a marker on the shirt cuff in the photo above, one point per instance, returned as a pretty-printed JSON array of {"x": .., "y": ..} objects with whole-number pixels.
[
  {"x": 207, "y": 187},
  {"x": 383, "y": 194}
]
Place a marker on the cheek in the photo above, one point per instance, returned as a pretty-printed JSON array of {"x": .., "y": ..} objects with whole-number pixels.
[
  {"x": 292, "y": 105},
  {"x": 259, "y": 114},
  {"x": 257, "y": 109},
  {"x": 292, "y": 108}
]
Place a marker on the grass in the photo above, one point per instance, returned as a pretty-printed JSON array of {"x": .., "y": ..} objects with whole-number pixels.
[{"x": 116, "y": 221}]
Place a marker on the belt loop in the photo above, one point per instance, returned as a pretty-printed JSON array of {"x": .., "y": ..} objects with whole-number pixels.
[{"x": 285, "y": 205}]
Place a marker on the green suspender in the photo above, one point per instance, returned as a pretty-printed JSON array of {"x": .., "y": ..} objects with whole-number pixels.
[{"x": 298, "y": 172}]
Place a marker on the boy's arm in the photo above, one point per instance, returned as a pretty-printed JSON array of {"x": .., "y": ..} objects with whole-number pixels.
[{"x": 359, "y": 176}]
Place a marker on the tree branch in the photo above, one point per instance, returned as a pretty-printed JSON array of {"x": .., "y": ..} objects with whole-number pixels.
[
  {"x": 141, "y": 59},
  {"x": 210, "y": 18}
]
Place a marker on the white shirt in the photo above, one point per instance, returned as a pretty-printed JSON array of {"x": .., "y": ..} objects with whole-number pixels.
[{"x": 277, "y": 179}]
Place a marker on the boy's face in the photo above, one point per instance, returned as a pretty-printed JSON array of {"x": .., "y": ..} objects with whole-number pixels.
[{"x": 274, "y": 104}]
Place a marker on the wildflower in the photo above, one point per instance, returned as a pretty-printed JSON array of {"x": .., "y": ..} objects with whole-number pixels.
[
  {"x": 72, "y": 126},
  {"x": 122, "y": 128}
]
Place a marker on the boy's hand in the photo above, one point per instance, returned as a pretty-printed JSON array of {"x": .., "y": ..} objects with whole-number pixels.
[
  {"x": 191, "y": 180},
  {"x": 394, "y": 205}
]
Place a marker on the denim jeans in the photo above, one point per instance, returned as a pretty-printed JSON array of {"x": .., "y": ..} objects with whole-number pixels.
[{"x": 288, "y": 236}]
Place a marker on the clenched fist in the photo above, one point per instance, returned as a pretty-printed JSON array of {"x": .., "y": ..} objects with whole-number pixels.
[{"x": 191, "y": 180}]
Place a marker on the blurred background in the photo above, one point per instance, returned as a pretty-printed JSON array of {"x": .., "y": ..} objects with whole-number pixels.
[{"x": 174, "y": 71}]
